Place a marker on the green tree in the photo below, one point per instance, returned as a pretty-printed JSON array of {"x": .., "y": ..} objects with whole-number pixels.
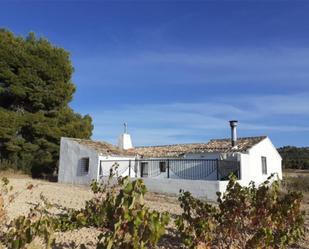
[{"x": 35, "y": 89}]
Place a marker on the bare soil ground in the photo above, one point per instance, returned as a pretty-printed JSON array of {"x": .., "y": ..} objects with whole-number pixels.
[{"x": 73, "y": 196}]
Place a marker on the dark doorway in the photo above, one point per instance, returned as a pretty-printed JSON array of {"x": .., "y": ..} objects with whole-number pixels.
[{"x": 144, "y": 169}]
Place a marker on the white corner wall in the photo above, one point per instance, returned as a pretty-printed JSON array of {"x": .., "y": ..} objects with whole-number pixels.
[
  {"x": 254, "y": 170},
  {"x": 71, "y": 152},
  {"x": 245, "y": 169}
]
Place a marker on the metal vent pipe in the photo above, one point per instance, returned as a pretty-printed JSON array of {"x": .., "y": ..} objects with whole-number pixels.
[{"x": 233, "y": 124}]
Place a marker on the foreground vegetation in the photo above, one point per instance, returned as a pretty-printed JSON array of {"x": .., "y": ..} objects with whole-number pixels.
[
  {"x": 252, "y": 217},
  {"x": 246, "y": 217}
]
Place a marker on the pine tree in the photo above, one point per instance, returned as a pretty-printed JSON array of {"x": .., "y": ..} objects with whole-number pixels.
[{"x": 35, "y": 89}]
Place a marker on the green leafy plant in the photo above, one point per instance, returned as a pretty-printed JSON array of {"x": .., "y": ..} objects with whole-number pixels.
[
  {"x": 130, "y": 224},
  {"x": 246, "y": 217},
  {"x": 117, "y": 210},
  {"x": 38, "y": 223}
]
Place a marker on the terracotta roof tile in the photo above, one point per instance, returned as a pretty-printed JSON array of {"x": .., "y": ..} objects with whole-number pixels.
[
  {"x": 103, "y": 147},
  {"x": 176, "y": 150},
  {"x": 214, "y": 145},
  {"x": 224, "y": 145}
]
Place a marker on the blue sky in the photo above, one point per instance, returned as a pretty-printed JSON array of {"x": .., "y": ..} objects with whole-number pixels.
[{"x": 178, "y": 71}]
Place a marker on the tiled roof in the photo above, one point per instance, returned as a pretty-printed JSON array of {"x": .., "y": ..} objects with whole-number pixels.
[
  {"x": 225, "y": 145},
  {"x": 103, "y": 147},
  {"x": 176, "y": 150},
  {"x": 214, "y": 145}
]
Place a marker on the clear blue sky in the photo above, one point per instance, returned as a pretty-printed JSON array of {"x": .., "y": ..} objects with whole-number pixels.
[{"x": 178, "y": 71}]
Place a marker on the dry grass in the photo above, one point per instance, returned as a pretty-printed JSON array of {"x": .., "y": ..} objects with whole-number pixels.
[
  {"x": 10, "y": 173},
  {"x": 298, "y": 180}
]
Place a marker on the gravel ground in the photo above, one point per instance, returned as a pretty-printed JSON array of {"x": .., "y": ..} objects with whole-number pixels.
[{"x": 28, "y": 192}]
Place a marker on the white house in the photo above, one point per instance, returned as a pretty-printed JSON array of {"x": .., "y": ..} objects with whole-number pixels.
[
  {"x": 201, "y": 168},
  {"x": 80, "y": 160}
]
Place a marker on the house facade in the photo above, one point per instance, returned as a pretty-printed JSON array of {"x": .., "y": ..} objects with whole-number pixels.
[
  {"x": 80, "y": 160},
  {"x": 201, "y": 168}
]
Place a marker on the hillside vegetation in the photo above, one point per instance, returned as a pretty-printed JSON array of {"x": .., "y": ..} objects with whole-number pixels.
[{"x": 294, "y": 157}]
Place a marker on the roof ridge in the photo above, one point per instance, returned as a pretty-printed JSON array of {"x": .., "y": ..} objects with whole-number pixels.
[
  {"x": 167, "y": 145},
  {"x": 239, "y": 138},
  {"x": 102, "y": 147},
  {"x": 90, "y": 140}
]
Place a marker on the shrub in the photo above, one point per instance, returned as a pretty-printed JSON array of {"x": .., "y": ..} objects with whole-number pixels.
[
  {"x": 129, "y": 223},
  {"x": 246, "y": 217},
  {"x": 38, "y": 223},
  {"x": 5, "y": 193},
  {"x": 117, "y": 210},
  {"x": 4, "y": 189}
]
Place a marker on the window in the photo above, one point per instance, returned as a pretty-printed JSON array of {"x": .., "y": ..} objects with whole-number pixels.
[
  {"x": 162, "y": 167},
  {"x": 144, "y": 169},
  {"x": 100, "y": 168},
  {"x": 264, "y": 165},
  {"x": 84, "y": 163}
]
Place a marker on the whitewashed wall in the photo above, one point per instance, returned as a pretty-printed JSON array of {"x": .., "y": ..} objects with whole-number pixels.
[
  {"x": 201, "y": 189},
  {"x": 251, "y": 164},
  {"x": 106, "y": 163},
  {"x": 71, "y": 152},
  {"x": 274, "y": 165},
  {"x": 245, "y": 169}
]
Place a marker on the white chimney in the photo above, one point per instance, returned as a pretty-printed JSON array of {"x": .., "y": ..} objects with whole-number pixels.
[
  {"x": 124, "y": 141},
  {"x": 233, "y": 124}
]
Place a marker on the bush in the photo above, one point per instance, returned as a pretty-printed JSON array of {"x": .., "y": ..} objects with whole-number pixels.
[
  {"x": 246, "y": 217},
  {"x": 117, "y": 210},
  {"x": 129, "y": 223},
  {"x": 22, "y": 230},
  {"x": 3, "y": 192}
]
